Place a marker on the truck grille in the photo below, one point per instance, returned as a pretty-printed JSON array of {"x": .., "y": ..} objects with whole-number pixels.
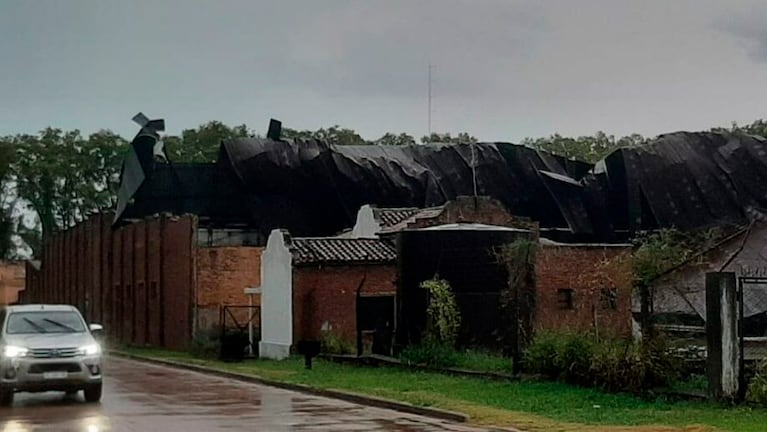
[
  {"x": 43, "y": 353},
  {"x": 54, "y": 367}
]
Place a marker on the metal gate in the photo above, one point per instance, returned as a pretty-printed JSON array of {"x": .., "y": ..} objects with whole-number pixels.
[
  {"x": 752, "y": 324},
  {"x": 241, "y": 322}
]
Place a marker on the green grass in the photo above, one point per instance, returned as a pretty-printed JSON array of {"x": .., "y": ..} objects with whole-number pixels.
[
  {"x": 484, "y": 361},
  {"x": 443, "y": 356},
  {"x": 693, "y": 384},
  {"x": 533, "y": 406}
]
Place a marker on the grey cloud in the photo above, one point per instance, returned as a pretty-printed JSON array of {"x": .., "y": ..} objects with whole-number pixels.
[
  {"x": 504, "y": 69},
  {"x": 383, "y": 48},
  {"x": 747, "y": 25}
]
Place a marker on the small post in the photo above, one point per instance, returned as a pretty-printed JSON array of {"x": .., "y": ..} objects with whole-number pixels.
[
  {"x": 250, "y": 293},
  {"x": 309, "y": 349},
  {"x": 250, "y": 325}
]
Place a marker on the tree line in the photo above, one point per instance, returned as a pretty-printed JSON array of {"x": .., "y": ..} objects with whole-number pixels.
[{"x": 51, "y": 180}]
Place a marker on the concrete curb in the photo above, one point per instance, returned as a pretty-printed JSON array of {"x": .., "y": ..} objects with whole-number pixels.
[{"x": 357, "y": 398}]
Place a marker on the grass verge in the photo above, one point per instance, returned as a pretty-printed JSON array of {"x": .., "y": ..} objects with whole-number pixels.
[{"x": 531, "y": 406}]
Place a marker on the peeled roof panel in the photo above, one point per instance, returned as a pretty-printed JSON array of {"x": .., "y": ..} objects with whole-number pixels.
[{"x": 685, "y": 180}]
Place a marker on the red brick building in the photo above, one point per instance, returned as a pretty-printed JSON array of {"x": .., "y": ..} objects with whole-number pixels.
[
  {"x": 583, "y": 287},
  {"x": 155, "y": 281},
  {"x": 315, "y": 287},
  {"x": 163, "y": 280}
]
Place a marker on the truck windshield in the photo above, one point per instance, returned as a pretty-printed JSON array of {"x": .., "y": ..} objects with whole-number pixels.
[{"x": 44, "y": 322}]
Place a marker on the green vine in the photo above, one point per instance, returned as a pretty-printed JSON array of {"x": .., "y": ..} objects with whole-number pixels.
[
  {"x": 658, "y": 252},
  {"x": 516, "y": 302},
  {"x": 444, "y": 318}
]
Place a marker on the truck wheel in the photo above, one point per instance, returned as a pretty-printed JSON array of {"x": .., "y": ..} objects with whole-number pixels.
[
  {"x": 6, "y": 397},
  {"x": 92, "y": 393}
]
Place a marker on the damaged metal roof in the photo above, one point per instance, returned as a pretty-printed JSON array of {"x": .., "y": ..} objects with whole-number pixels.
[{"x": 684, "y": 180}]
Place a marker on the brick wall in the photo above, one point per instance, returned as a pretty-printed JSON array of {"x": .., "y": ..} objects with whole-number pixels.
[
  {"x": 586, "y": 270},
  {"x": 325, "y": 297},
  {"x": 137, "y": 280},
  {"x": 178, "y": 278},
  {"x": 11, "y": 281},
  {"x": 222, "y": 275}
]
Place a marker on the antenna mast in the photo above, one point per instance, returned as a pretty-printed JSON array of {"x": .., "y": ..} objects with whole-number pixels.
[
  {"x": 474, "y": 169},
  {"x": 430, "y": 66}
]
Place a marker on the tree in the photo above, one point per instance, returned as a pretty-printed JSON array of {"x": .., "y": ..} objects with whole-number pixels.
[
  {"x": 585, "y": 148},
  {"x": 461, "y": 138},
  {"x": 334, "y": 135},
  {"x": 390, "y": 139},
  {"x": 757, "y": 127},
  {"x": 64, "y": 177},
  {"x": 7, "y": 199},
  {"x": 201, "y": 144}
]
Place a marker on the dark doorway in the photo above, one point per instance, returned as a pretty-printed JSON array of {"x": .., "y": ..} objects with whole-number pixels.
[{"x": 375, "y": 320}]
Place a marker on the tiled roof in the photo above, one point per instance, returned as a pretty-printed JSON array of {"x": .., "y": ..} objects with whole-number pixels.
[
  {"x": 423, "y": 213},
  {"x": 392, "y": 216},
  {"x": 342, "y": 250}
]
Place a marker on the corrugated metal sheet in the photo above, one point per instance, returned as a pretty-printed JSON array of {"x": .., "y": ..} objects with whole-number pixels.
[{"x": 683, "y": 180}]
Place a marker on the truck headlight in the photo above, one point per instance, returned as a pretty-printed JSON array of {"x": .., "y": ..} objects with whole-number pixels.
[
  {"x": 93, "y": 349},
  {"x": 11, "y": 351}
]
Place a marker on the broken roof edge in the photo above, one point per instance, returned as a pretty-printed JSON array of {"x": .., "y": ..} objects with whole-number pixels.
[{"x": 743, "y": 231}]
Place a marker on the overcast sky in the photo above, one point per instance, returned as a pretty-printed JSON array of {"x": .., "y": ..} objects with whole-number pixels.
[{"x": 503, "y": 70}]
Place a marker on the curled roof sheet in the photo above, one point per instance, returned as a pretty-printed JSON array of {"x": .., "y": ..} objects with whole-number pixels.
[{"x": 683, "y": 180}]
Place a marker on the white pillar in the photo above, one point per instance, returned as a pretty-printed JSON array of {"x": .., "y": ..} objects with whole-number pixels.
[{"x": 276, "y": 298}]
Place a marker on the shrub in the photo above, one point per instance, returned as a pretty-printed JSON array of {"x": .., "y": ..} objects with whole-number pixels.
[
  {"x": 444, "y": 356},
  {"x": 757, "y": 388},
  {"x": 541, "y": 355},
  {"x": 430, "y": 353},
  {"x": 575, "y": 359},
  {"x": 206, "y": 343},
  {"x": 331, "y": 343},
  {"x": 444, "y": 318},
  {"x": 484, "y": 360},
  {"x": 613, "y": 364}
]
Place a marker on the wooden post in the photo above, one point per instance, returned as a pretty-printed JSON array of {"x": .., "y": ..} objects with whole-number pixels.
[{"x": 723, "y": 366}]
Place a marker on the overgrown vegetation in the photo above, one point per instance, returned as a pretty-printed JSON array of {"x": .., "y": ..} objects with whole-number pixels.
[
  {"x": 657, "y": 252},
  {"x": 443, "y": 319},
  {"x": 332, "y": 343},
  {"x": 430, "y": 353},
  {"x": 516, "y": 302},
  {"x": 757, "y": 387},
  {"x": 607, "y": 364},
  {"x": 206, "y": 344},
  {"x": 442, "y": 356}
]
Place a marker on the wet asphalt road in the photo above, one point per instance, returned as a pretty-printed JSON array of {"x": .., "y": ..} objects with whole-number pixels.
[{"x": 142, "y": 397}]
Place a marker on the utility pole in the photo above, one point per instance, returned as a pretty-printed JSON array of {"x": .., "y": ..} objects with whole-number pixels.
[{"x": 430, "y": 66}]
